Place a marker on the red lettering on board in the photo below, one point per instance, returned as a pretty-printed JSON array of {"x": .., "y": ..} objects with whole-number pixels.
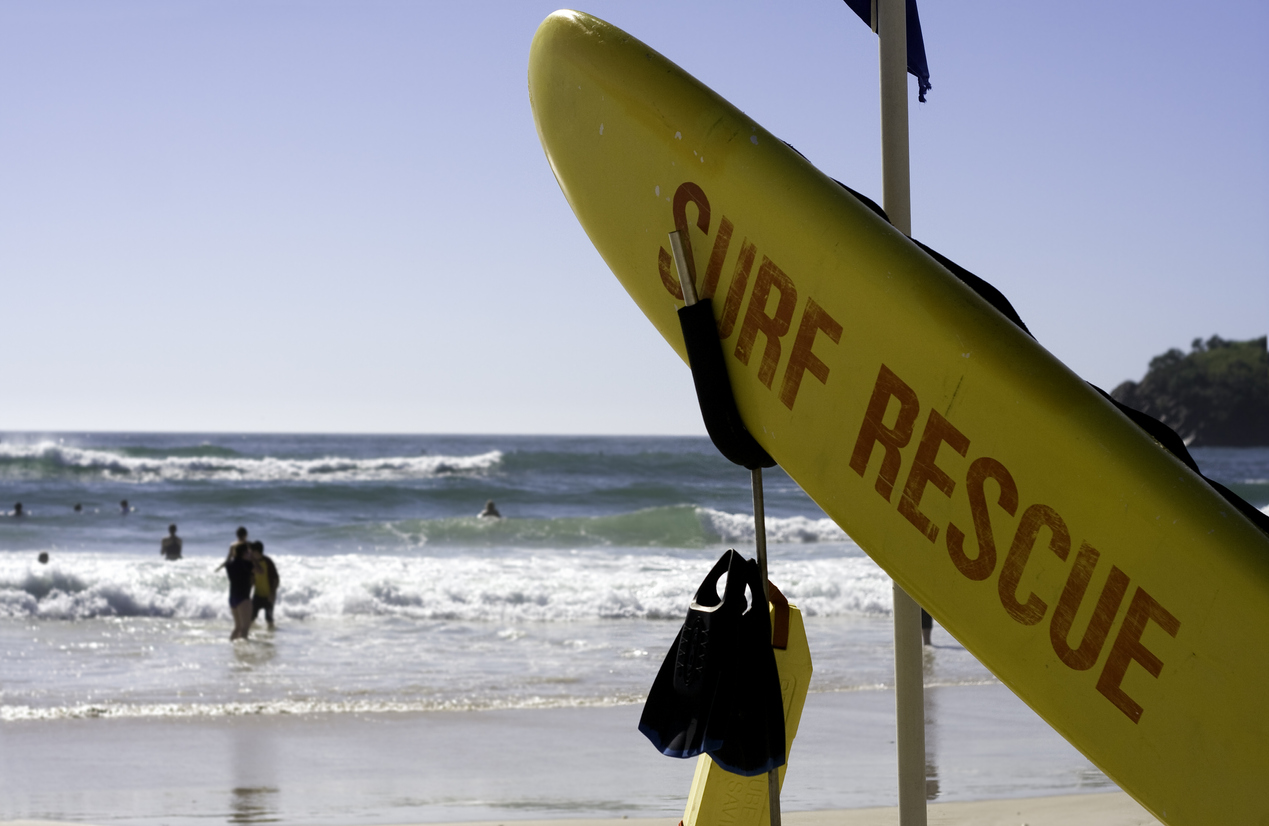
[
  {"x": 1034, "y": 518},
  {"x": 894, "y": 438},
  {"x": 1090, "y": 648},
  {"x": 774, "y": 326},
  {"x": 736, "y": 293},
  {"x": 874, "y": 430},
  {"x": 687, "y": 192},
  {"x": 664, "y": 261},
  {"x": 1128, "y": 648},
  {"x": 938, "y": 431},
  {"x": 982, "y": 566},
  {"x": 715, "y": 266},
  {"x": 801, "y": 359}
]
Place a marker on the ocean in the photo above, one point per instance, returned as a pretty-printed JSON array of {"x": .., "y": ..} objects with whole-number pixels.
[{"x": 394, "y": 597}]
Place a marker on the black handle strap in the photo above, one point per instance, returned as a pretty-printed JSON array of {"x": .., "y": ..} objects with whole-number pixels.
[{"x": 713, "y": 389}]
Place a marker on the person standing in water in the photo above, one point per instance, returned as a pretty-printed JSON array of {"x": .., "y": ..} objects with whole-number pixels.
[
  {"x": 266, "y": 582},
  {"x": 490, "y": 511},
  {"x": 241, "y": 574},
  {"x": 123, "y": 507},
  {"x": 241, "y": 533},
  {"x": 240, "y": 589},
  {"x": 170, "y": 547}
]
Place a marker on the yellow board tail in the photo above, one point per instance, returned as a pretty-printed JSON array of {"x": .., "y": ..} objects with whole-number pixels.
[{"x": 720, "y": 798}]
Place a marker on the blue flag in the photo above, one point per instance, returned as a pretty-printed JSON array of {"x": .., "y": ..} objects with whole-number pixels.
[{"x": 916, "y": 43}]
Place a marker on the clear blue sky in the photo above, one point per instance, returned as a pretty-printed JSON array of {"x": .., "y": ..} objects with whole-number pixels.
[{"x": 336, "y": 216}]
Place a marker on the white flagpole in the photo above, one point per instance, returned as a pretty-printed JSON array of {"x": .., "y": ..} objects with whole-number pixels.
[{"x": 890, "y": 20}]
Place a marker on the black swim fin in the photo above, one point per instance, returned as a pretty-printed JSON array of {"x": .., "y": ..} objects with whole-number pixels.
[
  {"x": 718, "y": 690},
  {"x": 751, "y": 721}
]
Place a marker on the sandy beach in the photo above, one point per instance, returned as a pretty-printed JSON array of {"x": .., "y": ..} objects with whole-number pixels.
[
  {"x": 989, "y": 760},
  {"x": 1113, "y": 809},
  {"x": 1109, "y": 809}
]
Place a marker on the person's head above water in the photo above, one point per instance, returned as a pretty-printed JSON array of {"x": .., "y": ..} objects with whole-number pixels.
[
  {"x": 43, "y": 557},
  {"x": 17, "y": 508},
  {"x": 242, "y": 533},
  {"x": 78, "y": 508},
  {"x": 123, "y": 505}
]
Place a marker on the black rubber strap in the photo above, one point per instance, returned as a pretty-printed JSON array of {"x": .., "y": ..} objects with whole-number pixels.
[{"x": 713, "y": 389}]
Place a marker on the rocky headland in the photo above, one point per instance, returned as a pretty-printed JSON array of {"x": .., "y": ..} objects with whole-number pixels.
[{"x": 1215, "y": 395}]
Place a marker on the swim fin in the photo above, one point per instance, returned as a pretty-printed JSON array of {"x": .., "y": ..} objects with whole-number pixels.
[{"x": 718, "y": 690}]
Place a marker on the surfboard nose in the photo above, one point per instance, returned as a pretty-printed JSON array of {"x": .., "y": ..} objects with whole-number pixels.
[
  {"x": 564, "y": 37},
  {"x": 561, "y": 40}
]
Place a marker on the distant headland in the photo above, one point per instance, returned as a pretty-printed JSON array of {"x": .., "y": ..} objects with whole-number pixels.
[{"x": 1217, "y": 395}]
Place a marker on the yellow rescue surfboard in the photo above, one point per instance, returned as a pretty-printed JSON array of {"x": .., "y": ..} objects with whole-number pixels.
[{"x": 1100, "y": 579}]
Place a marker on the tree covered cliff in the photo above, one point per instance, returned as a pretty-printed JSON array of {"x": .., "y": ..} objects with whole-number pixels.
[{"x": 1217, "y": 394}]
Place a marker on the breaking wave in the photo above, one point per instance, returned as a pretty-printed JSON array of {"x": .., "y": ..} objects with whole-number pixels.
[
  {"x": 555, "y": 586},
  {"x": 211, "y": 463}
]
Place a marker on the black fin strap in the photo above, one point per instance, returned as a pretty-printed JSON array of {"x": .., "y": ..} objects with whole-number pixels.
[
  {"x": 1258, "y": 517},
  {"x": 979, "y": 285},
  {"x": 1159, "y": 431},
  {"x": 985, "y": 290},
  {"x": 1173, "y": 443},
  {"x": 707, "y": 594},
  {"x": 713, "y": 389}
]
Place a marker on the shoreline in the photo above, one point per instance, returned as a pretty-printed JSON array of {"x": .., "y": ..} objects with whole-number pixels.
[
  {"x": 569, "y": 765},
  {"x": 1110, "y": 808}
]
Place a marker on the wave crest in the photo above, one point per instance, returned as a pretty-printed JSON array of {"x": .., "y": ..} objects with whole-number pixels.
[
  {"x": 219, "y": 464},
  {"x": 739, "y": 528}
]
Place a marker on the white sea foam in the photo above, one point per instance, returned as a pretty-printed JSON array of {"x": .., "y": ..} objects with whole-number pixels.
[
  {"x": 739, "y": 527},
  {"x": 123, "y": 710},
  {"x": 506, "y": 588},
  {"x": 118, "y": 466},
  {"x": 80, "y": 711}
]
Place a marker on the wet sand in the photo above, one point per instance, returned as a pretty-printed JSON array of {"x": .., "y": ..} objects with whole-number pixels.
[
  {"x": 571, "y": 764},
  {"x": 1110, "y": 809}
]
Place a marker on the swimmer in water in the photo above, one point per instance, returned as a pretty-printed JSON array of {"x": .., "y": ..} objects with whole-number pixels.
[
  {"x": 490, "y": 511},
  {"x": 17, "y": 509},
  {"x": 123, "y": 507},
  {"x": 43, "y": 557},
  {"x": 170, "y": 547}
]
